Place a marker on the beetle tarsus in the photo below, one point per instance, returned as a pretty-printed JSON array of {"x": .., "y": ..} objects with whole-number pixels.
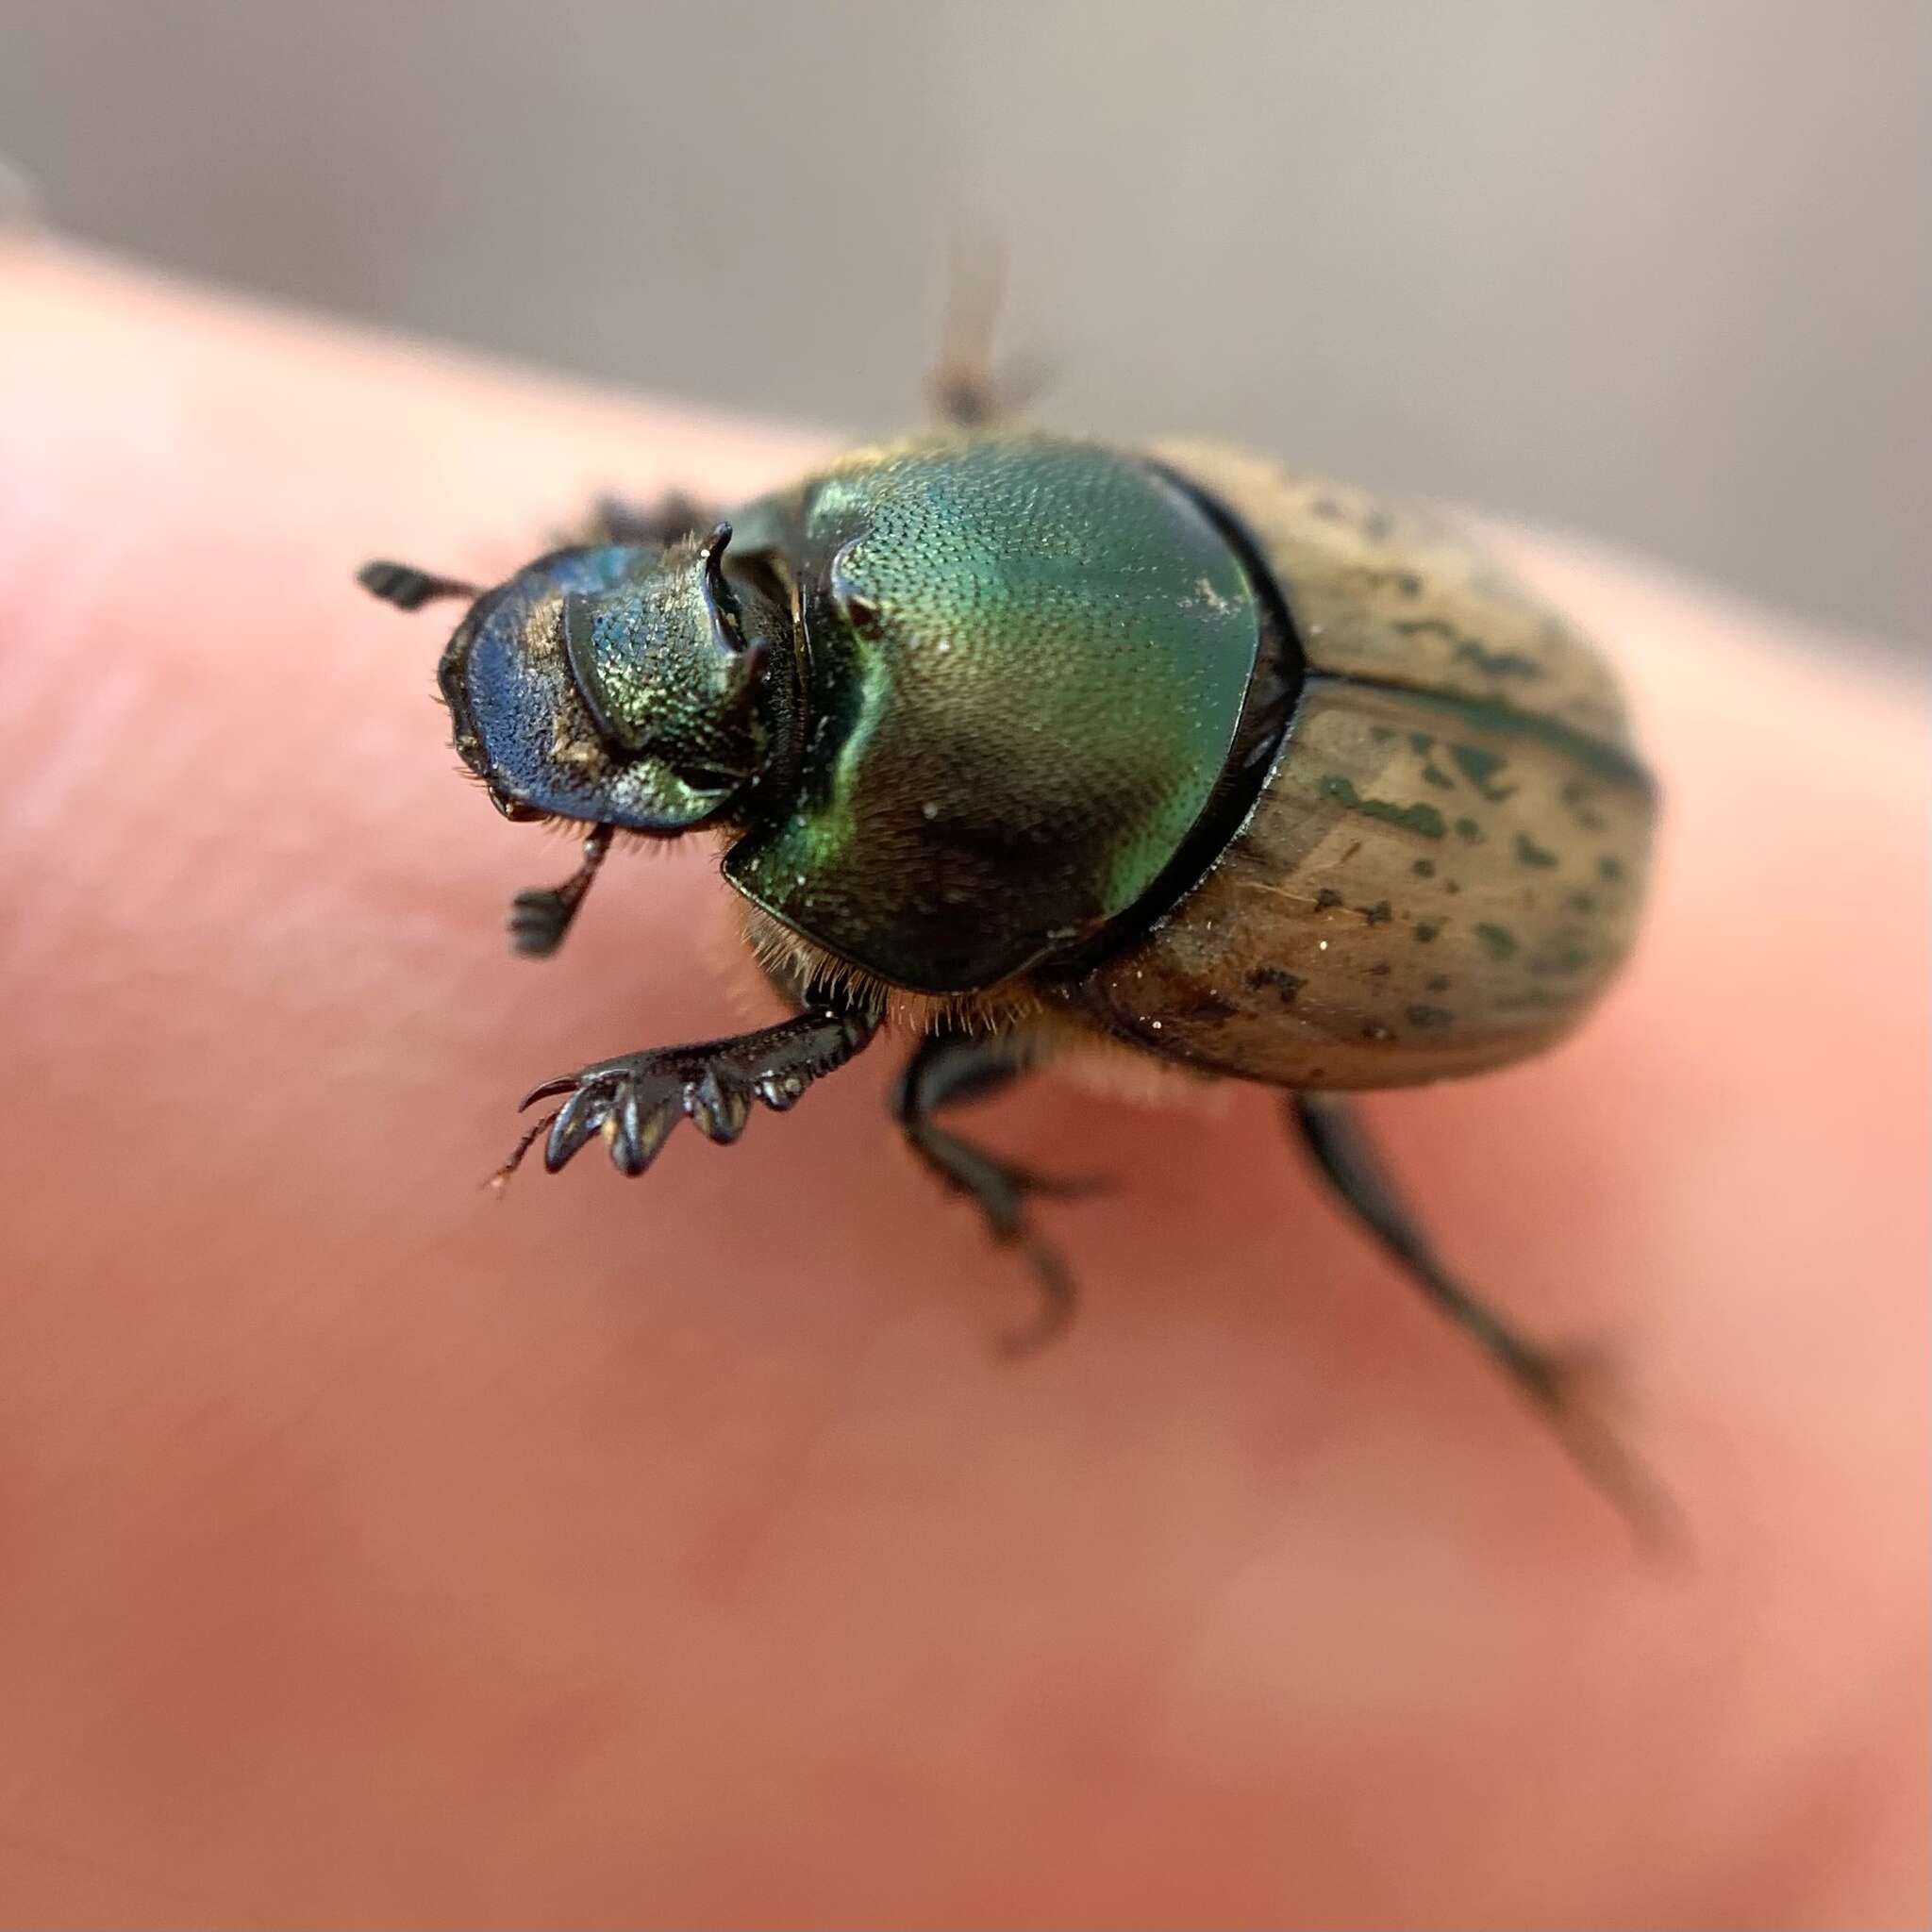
[
  {"x": 947, "y": 1069},
  {"x": 540, "y": 918},
  {"x": 1568, "y": 1390},
  {"x": 1059, "y": 1300},
  {"x": 1581, "y": 1399},
  {"x": 636, "y": 1100}
]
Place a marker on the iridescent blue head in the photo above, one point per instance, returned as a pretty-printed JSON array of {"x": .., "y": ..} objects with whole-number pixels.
[{"x": 623, "y": 685}]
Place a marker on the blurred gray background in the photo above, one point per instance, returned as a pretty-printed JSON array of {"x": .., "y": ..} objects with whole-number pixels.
[{"x": 1656, "y": 269}]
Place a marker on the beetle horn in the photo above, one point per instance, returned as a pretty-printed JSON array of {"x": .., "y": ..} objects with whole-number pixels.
[
  {"x": 712, "y": 550},
  {"x": 752, "y": 654}
]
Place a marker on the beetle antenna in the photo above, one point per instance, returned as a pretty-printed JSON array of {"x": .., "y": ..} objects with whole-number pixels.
[
  {"x": 540, "y": 918},
  {"x": 407, "y": 587}
]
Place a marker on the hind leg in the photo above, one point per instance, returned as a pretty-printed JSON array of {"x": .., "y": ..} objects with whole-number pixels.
[
  {"x": 969, "y": 388},
  {"x": 619, "y": 520},
  {"x": 1559, "y": 1386}
]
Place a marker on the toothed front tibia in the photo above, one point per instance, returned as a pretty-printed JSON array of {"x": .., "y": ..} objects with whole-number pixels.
[{"x": 636, "y": 1101}]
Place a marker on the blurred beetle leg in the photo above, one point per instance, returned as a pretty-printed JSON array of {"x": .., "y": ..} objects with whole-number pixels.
[
  {"x": 1567, "y": 1388},
  {"x": 968, "y": 389},
  {"x": 946, "y": 1069},
  {"x": 673, "y": 516}
]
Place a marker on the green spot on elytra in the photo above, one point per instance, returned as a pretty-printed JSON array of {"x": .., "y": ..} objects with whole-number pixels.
[
  {"x": 1438, "y": 776},
  {"x": 1565, "y": 959},
  {"x": 1211, "y": 1009},
  {"x": 1382, "y": 733},
  {"x": 1481, "y": 766},
  {"x": 1285, "y": 983},
  {"x": 1420, "y": 741},
  {"x": 1610, "y": 870},
  {"x": 1497, "y": 663},
  {"x": 1579, "y": 798},
  {"x": 1426, "y": 929},
  {"x": 1424, "y": 867},
  {"x": 1496, "y": 717},
  {"x": 1469, "y": 831},
  {"x": 1499, "y": 939},
  {"x": 1429, "y": 1016},
  {"x": 1529, "y": 853},
  {"x": 1424, "y": 819},
  {"x": 1528, "y": 999}
]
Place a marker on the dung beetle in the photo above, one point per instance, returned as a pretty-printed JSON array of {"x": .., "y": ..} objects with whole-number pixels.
[{"x": 1032, "y": 749}]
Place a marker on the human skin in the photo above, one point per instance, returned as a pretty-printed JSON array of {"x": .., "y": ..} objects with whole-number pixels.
[{"x": 675, "y": 1552}]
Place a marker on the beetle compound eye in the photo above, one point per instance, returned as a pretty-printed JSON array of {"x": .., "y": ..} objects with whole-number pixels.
[
  {"x": 860, "y": 611},
  {"x": 856, "y": 606}
]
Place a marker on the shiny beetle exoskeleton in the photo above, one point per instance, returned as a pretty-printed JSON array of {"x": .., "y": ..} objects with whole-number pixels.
[{"x": 1034, "y": 748}]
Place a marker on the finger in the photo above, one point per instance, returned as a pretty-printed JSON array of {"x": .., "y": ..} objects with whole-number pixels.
[{"x": 1255, "y": 1492}]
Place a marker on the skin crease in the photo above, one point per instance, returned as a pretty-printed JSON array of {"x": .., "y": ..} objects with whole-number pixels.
[{"x": 673, "y": 1552}]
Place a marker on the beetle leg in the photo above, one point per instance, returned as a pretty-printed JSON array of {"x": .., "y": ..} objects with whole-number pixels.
[
  {"x": 674, "y": 515},
  {"x": 969, "y": 397},
  {"x": 967, "y": 387},
  {"x": 1567, "y": 1388},
  {"x": 946, "y": 1069},
  {"x": 635, "y": 1100}
]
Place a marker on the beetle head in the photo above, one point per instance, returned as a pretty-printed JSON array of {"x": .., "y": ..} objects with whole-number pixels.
[{"x": 620, "y": 684}]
